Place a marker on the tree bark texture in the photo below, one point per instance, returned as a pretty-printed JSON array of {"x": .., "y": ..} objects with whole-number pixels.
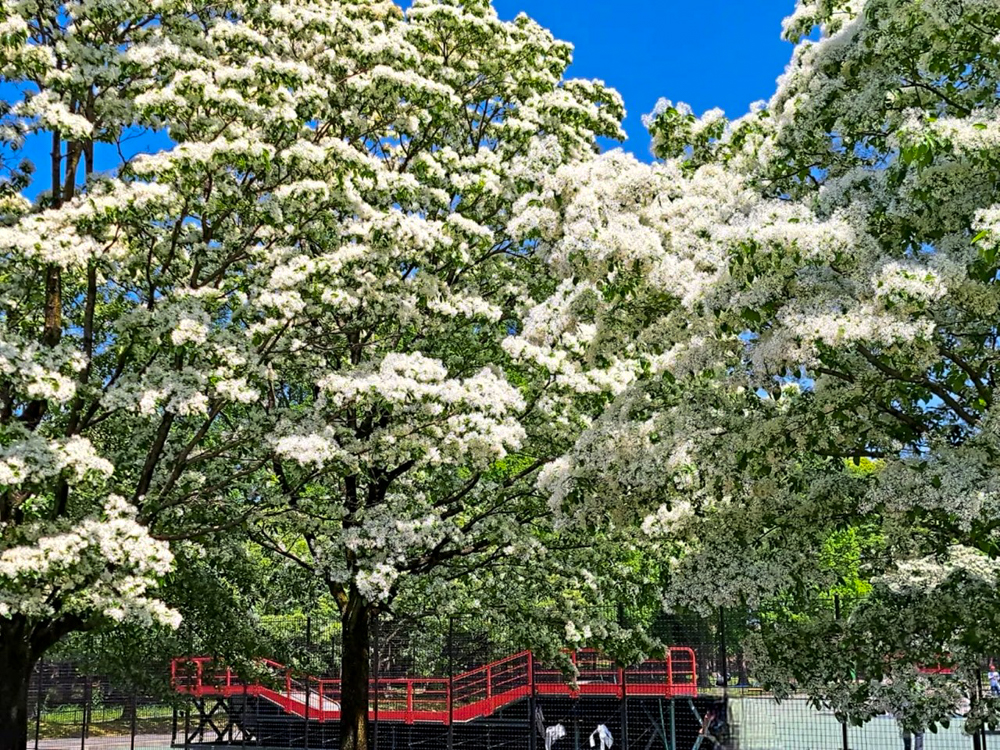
[
  {"x": 355, "y": 671},
  {"x": 16, "y": 664}
]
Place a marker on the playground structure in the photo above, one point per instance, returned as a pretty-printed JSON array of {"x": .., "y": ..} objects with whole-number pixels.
[
  {"x": 513, "y": 702},
  {"x": 209, "y": 707}
]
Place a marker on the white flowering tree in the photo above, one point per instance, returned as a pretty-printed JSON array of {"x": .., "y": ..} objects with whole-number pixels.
[
  {"x": 87, "y": 451},
  {"x": 812, "y": 286},
  {"x": 410, "y": 456},
  {"x": 298, "y": 307}
]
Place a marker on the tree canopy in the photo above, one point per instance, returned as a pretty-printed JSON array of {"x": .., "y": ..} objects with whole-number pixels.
[
  {"x": 289, "y": 321},
  {"x": 381, "y": 312},
  {"x": 825, "y": 296}
]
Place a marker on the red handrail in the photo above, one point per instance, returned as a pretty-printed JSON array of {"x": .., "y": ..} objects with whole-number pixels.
[{"x": 469, "y": 695}]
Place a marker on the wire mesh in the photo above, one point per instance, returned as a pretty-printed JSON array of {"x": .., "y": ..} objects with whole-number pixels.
[{"x": 451, "y": 684}]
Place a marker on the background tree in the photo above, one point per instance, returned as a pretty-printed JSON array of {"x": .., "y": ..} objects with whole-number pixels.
[
  {"x": 296, "y": 308},
  {"x": 414, "y": 441},
  {"x": 838, "y": 301},
  {"x": 87, "y": 467}
]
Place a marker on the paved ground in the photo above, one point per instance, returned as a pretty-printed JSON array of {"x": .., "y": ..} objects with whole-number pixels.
[
  {"x": 142, "y": 742},
  {"x": 764, "y": 724},
  {"x": 761, "y": 724}
]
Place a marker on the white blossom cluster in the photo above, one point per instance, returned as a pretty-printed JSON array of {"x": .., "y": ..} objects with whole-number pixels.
[
  {"x": 798, "y": 310},
  {"x": 306, "y": 290},
  {"x": 380, "y": 304},
  {"x": 105, "y": 564},
  {"x": 295, "y": 318}
]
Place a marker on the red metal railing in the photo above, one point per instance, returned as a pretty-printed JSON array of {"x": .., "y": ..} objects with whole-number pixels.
[
  {"x": 598, "y": 675},
  {"x": 470, "y": 695},
  {"x": 486, "y": 689}
]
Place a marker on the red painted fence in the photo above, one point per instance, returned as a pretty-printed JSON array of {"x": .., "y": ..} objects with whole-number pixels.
[{"x": 467, "y": 696}]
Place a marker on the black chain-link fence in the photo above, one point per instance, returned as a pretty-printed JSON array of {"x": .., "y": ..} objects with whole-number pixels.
[{"x": 446, "y": 683}]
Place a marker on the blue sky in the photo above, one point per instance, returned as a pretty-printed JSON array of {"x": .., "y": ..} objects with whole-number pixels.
[{"x": 708, "y": 53}]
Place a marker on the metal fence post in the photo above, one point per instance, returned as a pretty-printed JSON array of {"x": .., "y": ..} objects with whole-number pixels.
[
  {"x": 305, "y": 732},
  {"x": 451, "y": 682},
  {"x": 979, "y": 736},
  {"x": 533, "y": 740},
  {"x": 723, "y": 656},
  {"x": 622, "y": 674},
  {"x": 135, "y": 714},
  {"x": 374, "y": 624},
  {"x": 843, "y": 723},
  {"x": 86, "y": 712},
  {"x": 673, "y": 724},
  {"x": 333, "y": 668},
  {"x": 982, "y": 729},
  {"x": 39, "y": 700},
  {"x": 724, "y": 659},
  {"x": 256, "y": 719}
]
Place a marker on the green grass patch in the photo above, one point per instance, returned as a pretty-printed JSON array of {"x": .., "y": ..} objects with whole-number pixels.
[{"x": 60, "y": 722}]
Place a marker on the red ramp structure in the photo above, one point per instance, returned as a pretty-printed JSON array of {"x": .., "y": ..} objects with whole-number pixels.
[{"x": 505, "y": 703}]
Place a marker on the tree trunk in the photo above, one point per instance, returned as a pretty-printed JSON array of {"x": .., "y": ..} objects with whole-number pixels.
[
  {"x": 16, "y": 664},
  {"x": 354, "y": 673},
  {"x": 741, "y": 667}
]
